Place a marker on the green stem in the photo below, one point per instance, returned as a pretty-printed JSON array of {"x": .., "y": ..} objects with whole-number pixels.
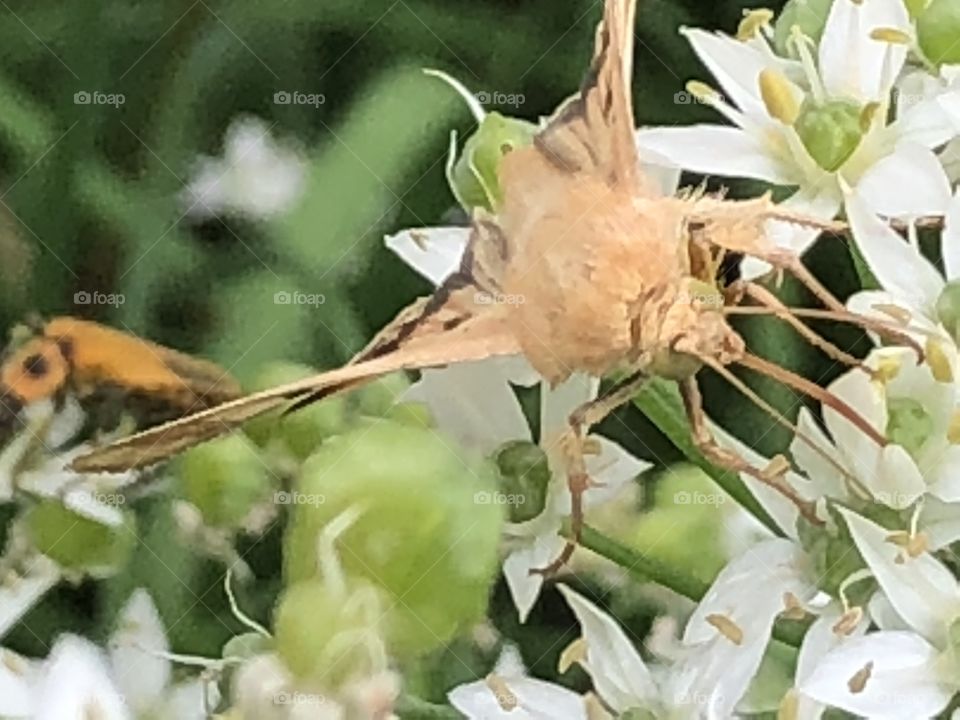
[
  {"x": 660, "y": 402},
  {"x": 645, "y": 568}
]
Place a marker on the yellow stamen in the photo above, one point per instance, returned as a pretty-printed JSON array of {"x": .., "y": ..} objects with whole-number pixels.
[
  {"x": 726, "y": 627},
  {"x": 753, "y": 22},
  {"x": 868, "y": 115},
  {"x": 789, "y": 706},
  {"x": 778, "y": 96},
  {"x": 504, "y": 695},
  {"x": 938, "y": 361},
  {"x": 953, "y": 432},
  {"x": 891, "y": 35},
  {"x": 898, "y": 313},
  {"x": 858, "y": 683},
  {"x": 918, "y": 545},
  {"x": 702, "y": 92},
  {"x": 887, "y": 369},
  {"x": 848, "y": 621},
  {"x": 595, "y": 707},
  {"x": 592, "y": 446},
  {"x": 793, "y": 608},
  {"x": 574, "y": 653}
]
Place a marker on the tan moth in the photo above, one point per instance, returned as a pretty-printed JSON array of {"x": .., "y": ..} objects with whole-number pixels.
[{"x": 615, "y": 277}]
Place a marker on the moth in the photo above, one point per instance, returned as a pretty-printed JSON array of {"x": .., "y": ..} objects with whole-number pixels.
[
  {"x": 615, "y": 277},
  {"x": 104, "y": 367}
]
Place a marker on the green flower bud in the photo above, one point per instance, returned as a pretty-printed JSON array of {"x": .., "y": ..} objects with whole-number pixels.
[
  {"x": 475, "y": 177},
  {"x": 78, "y": 542},
  {"x": 524, "y": 477},
  {"x": 224, "y": 479},
  {"x": 414, "y": 414},
  {"x": 810, "y": 16},
  {"x": 422, "y": 535},
  {"x": 325, "y": 637},
  {"x": 378, "y": 398},
  {"x": 908, "y": 424},
  {"x": 938, "y": 29},
  {"x": 304, "y": 429},
  {"x": 831, "y": 132},
  {"x": 948, "y": 308}
]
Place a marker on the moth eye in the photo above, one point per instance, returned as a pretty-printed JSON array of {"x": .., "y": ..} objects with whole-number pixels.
[{"x": 36, "y": 365}]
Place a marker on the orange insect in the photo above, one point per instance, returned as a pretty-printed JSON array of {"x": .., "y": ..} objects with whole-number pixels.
[{"x": 97, "y": 363}]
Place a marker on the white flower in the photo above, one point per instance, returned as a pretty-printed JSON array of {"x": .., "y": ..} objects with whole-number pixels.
[
  {"x": 256, "y": 177},
  {"x": 764, "y": 142},
  {"x": 475, "y": 403},
  {"x": 896, "y": 673},
  {"x": 132, "y": 679}
]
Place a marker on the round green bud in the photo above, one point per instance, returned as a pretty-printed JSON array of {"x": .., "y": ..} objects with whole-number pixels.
[
  {"x": 321, "y": 634},
  {"x": 938, "y": 32},
  {"x": 810, "y": 16},
  {"x": 78, "y": 542},
  {"x": 427, "y": 532},
  {"x": 524, "y": 479},
  {"x": 303, "y": 430},
  {"x": 831, "y": 131},
  {"x": 948, "y": 308},
  {"x": 415, "y": 414},
  {"x": 908, "y": 424},
  {"x": 475, "y": 178},
  {"x": 378, "y": 398},
  {"x": 246, "y": 646},
  {"x": 224, "y": 479}
]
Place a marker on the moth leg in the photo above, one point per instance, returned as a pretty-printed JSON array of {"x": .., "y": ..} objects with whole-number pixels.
[
  {"x": 767, "y": 299},
  {"x": 574, "y": 443},
  {"x": 773, "y": 475}
]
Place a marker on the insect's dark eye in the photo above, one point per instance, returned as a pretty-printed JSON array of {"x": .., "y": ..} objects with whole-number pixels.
[{"x": 36, "y": 366}]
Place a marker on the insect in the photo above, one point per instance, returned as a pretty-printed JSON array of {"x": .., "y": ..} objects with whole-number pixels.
[
  {"x": 615, "y": 277},
  {"x": 98, "y": 364}
]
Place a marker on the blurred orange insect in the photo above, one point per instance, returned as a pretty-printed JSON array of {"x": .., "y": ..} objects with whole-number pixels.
[{"x": 100, "y": 365}]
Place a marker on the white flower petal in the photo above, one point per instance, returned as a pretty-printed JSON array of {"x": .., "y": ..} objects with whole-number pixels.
[
  {"x": 861, "y": 453},
  {"x": 853, "y": 64},
  {"x": 613, "y": 470},
  {"x": 883, "y": 188},
  {"x": 473, "y": 403},
  {"x": 141, "y": 675},
  {"x": 825, "y": 476},
  {"x": 898, "y": 266},
  {"x": 898, "y": 482},
  {"x": 435, "y": 253},
  {"x": 927, "y": 123},
  {"x": 17, "y": 677},
  {"x": 524, "y": 699},
  {"x": 18, "y": 596},
  {"x": 884, "y": 675},
  {"x": 734, "y": 64},
  {"x": 75, "y": 684},
  {"x": 619, "y": 674},
  {"x": 941, "y": 522},
  {"x": 557, "y": 404},
  {"x": 950, "y": 240},
  {"x": 921, "y": 589},
  {"x": 188, "y": 701},
  {"x": 944, "y": 479},
  {"x": 524, "y": 586},
  {"x": 715, "y": 150}
]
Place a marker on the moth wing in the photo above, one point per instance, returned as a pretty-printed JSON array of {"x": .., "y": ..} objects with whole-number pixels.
[
  {"x": 474, "y": 338},
  {"x": 593, "y": 131}
]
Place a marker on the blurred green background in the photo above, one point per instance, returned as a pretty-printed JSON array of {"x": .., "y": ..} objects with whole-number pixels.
[{"x": 92, "y": 195}]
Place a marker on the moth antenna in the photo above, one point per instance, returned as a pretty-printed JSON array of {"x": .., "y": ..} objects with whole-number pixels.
[
  {"x": 770, "y": 301},
  {"x": 778, "y": 417},
  {"x": 824, "y": 397},
  {"x": 885, "y": 329}
]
